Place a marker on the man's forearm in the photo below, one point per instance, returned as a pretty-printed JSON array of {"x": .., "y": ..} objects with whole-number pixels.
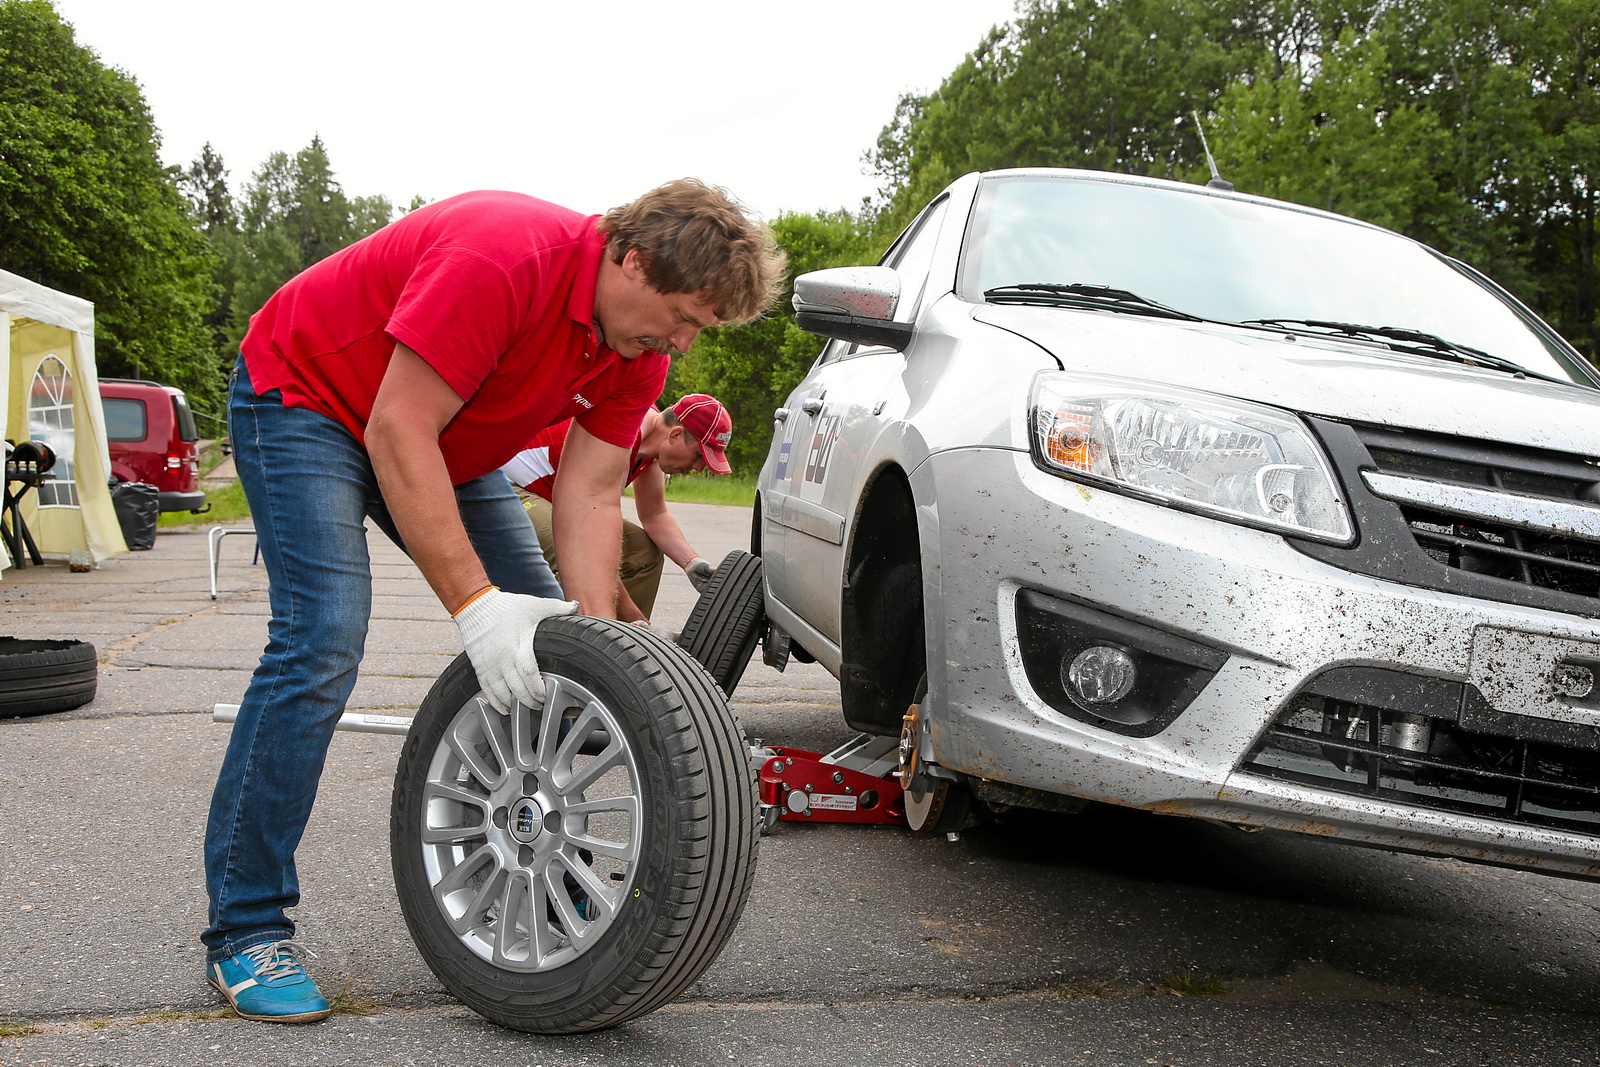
[
  {"x": 668, "y": 537},
  {"x": 588, "y": 532},
  {"x": 417, "y": 491}
]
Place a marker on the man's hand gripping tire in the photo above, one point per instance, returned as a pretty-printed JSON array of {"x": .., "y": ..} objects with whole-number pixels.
[{"x": 497, "y": 631}]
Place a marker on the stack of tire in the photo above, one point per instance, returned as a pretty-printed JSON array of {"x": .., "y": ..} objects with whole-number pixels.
[{"x": 39, "y": 676}]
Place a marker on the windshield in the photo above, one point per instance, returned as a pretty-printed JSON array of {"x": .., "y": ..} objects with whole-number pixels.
[{"x": 1227, "y": 259}]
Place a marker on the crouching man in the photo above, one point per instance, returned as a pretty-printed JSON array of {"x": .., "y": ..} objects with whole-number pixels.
[{"x": 692, "y": 435}]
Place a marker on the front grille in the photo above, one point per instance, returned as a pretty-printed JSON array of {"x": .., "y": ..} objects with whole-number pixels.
[
  {"x": 1482, "y": 545},
  {"x": 1434, "y": 744},
  {"x": 1497, "y": 553}
]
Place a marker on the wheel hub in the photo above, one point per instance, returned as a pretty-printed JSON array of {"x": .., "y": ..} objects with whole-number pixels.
[
  {"x": 910, "y": 744},
  {"x": 526, "y": 820}
]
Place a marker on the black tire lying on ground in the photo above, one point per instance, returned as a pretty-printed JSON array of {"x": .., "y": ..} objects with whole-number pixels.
[
  {"x": 570, "y": 869},
  {"x": 726, "y": 622},
  {"x": 38, "y": 676}
]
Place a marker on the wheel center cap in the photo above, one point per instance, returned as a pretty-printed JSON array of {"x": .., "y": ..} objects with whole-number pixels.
[{"x": 526, "y": 820}]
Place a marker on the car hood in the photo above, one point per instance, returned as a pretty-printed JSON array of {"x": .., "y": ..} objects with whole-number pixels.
[{"x": 1315, "y": 375}]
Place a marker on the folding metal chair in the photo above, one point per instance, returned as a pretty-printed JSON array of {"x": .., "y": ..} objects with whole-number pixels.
[{"x": 214, "y": 538}]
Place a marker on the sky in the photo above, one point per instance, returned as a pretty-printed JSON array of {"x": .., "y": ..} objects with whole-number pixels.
[{"x": 585, "y": 104}]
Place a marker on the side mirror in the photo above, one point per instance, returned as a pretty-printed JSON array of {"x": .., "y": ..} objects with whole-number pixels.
[{"x": 852, "y": 304}]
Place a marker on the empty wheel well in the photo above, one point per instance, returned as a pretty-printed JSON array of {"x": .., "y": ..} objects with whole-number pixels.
[
  {"x": 755, "y": 528},
  {"x": 881, "y": 629}
]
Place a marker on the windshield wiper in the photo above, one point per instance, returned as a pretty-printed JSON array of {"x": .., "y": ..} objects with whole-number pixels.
[
  {"x": 1082, "y": 294},
  {"x": 1419, "y": 343}
]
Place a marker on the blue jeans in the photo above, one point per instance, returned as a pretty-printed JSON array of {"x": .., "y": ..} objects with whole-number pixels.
[{"x": 311, "y": 487}]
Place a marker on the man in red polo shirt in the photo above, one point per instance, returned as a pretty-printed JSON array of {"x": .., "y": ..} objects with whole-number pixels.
[
  {"x": 690, "y": 436},
  {"x": 389, "y": 382}
]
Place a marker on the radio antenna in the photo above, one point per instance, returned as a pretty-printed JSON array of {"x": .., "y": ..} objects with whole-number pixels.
[{"x": 1217, "y": 180}]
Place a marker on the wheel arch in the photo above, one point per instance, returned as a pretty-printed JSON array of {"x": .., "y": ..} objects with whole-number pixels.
[{"x": 882, "y": 625}]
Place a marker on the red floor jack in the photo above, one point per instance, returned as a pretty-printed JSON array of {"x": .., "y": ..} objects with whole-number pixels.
[{"x": 857, "y": 782}]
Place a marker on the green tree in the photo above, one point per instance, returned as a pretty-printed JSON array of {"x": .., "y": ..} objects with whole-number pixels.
[
  {"x": 1560, "y": 49},
  {"x": 293, "y": 213},
  {"x": 1102, "y": 84},
  {"x": 205, "y": 184},
  {"x": 1320, "y": 131},
  {"x": 1472, "y": 125},
  {"x": 87, "y": 207}
]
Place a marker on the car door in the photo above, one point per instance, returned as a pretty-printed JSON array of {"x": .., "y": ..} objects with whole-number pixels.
[{"x": 827, "y": 438}]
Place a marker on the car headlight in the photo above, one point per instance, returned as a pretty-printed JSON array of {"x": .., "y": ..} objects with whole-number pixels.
[{"x": 1244, "y": 462}]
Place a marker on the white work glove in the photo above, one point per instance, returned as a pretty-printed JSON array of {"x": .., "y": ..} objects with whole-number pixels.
[
  {"x": 497, "y": 631},
  {"x": 698, "y": 570},
  {"x": 670, "y": 636}
]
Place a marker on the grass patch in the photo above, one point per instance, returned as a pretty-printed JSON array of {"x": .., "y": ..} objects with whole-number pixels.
[
  {"x": 227, "y": 504},
  {"x": 170, "y": 1015},
  {"x": 733, "y": 489},
  {"x": 1083, "y": 987},
  {"x": 209, "y": 457},
  {"x": 1193, "y": 985},
  {"x": 17, "y": 1030},
  {"x": 348, "y": 1002}
]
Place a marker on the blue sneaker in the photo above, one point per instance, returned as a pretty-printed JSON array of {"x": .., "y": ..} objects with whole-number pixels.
[{"x": 266, "y": 982}]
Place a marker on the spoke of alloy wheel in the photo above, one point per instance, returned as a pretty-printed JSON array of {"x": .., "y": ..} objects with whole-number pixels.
[
  {"x": 587, "y": 880},
  {"x": 625, "y": 850},
  {"x": 555, "y": 888},
  {"x": 526, "y": 725},
  {"x": 461, "y": 881},
  {"x": 544, "y": 940},
  {"x": 494, "y": 727},
  {"x": 590, "y": 720},
  {"x": 579, "y": 780},
  {"x": 463, "y": 741},
  {"x": 516, "y": 914},
  {"x": 435, "y": 794},
  {"x": 549, "y": 738}
]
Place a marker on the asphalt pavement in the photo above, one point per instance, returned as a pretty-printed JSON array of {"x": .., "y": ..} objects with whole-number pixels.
[{"x": 1112, "y": 937}]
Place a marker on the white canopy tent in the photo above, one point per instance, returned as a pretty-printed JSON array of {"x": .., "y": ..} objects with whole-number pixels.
[{"x": 50, "y": 392}]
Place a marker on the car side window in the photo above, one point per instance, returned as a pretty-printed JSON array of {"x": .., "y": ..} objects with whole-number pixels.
[
  {"x": 835, "y": 350},
  {"x": 125, "y": 419},
  {"x": 912, "y": 256}
]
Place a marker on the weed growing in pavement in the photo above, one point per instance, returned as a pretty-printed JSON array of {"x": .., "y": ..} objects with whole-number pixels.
[
  {"x": 348, "y": 1002},
  {"x": 1192, "y": 985},
  {"x": 17, "y": 1030},
  {"x": 1084, "y": 987},
  {"x": 171, "y": 1015}
]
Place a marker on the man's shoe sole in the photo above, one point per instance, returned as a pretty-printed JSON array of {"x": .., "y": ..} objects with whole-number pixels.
[{"x": 301, "y": 1017}]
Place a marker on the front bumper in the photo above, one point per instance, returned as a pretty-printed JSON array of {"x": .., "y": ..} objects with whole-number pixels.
[{"x": 1276, "y": 619}]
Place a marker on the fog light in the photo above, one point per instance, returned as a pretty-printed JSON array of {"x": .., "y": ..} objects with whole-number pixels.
[{"x": 1100, "y": 674}]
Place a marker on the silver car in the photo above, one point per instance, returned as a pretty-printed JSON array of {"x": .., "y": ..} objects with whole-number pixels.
[{"x": 1117, "y": 489}]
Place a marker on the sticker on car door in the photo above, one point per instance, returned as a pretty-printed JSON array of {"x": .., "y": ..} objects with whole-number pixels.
[{"x": 822, "y": 442}]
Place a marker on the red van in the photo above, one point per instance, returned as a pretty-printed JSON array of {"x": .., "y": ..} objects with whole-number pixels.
[{"x": 150, "y": 433}]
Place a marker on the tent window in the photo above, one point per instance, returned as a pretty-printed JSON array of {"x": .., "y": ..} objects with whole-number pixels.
[{"x": 50, "y": 421}]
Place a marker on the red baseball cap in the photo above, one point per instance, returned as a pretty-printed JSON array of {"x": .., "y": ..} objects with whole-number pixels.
[{"x": 711, "y": 425}]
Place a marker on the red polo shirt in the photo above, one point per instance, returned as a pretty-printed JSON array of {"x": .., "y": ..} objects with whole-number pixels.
[{"x": 495, "y": 291}]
